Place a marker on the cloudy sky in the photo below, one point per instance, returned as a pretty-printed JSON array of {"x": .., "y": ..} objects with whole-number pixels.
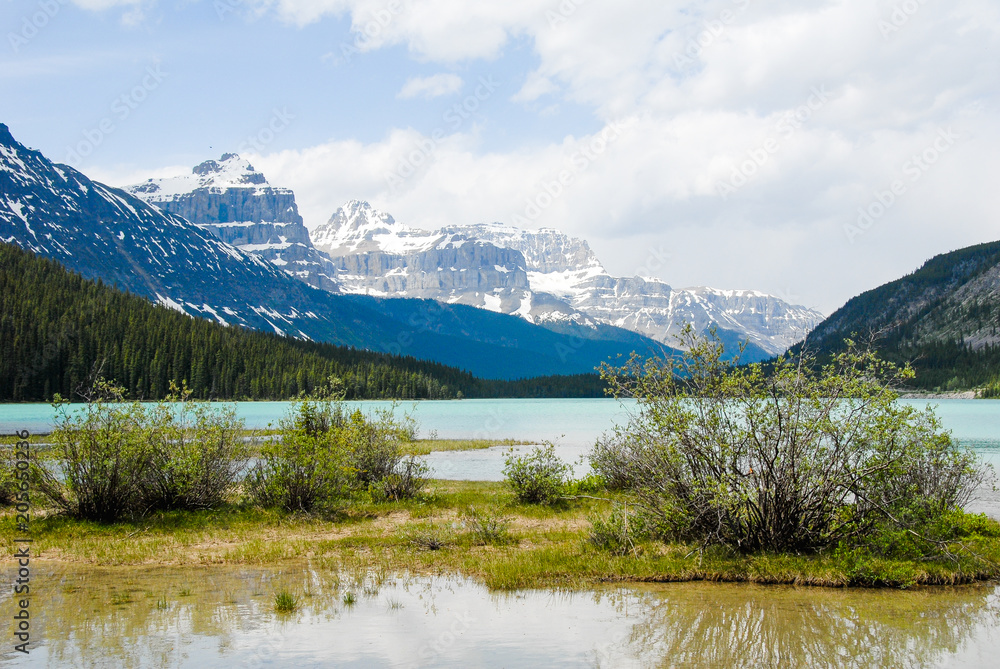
[{"x": 806, "y": 148}]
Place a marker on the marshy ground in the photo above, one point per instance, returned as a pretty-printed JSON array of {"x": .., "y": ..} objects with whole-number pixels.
[{"x": 472, "y": 528}]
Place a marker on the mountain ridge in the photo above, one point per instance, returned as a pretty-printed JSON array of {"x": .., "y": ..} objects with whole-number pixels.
[
  {"x": 106, "y": 233},
  {"x": 944, "y": 318}
]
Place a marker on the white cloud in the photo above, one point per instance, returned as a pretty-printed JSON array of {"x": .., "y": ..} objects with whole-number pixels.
[
  {"x": 704, "y": 85},
  {"x": 430, "y": 87}
]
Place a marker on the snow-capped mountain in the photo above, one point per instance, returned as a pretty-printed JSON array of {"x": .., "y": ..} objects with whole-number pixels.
[
  {"x": 234, "y": 202},
  {"x": 106, "y": 233},
  {"x": 544, "y": 276},
  {"x": 376, "y": 255}
]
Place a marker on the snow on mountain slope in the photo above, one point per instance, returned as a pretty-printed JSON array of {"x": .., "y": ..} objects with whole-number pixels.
[
  {"x": 236, "y": 203},
  {"x": 545, "y": 277},
  {"x": 376, "y": 255},
  {"x": 105, "y": 233},
  {"x": 102, "y": 232}
]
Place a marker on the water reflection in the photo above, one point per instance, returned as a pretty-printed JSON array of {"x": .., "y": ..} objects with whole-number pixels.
[
  {"x": 224, "y": 617},
  {"x": 754, "y": 626}
]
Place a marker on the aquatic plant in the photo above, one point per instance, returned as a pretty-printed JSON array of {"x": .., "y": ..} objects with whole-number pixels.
[{"x": 285, "y": 602}]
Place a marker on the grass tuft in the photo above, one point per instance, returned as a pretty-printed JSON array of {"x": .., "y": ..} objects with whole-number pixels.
[{"x": 285, "y": 602}]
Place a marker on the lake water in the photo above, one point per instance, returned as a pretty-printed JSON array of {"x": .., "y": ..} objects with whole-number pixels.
[
  {"x": 224, "y": 617},
  {"x": 573, "y": 425}
]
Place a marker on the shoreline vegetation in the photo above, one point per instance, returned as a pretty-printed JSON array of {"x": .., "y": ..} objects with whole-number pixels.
[
  {"x": 446, "y": 530},
  {"x": 800, "y": 477}
]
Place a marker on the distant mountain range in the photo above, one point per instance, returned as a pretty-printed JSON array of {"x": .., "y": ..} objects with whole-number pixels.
[
  {"x": 500, "y": 302},
  {"x": 107, "y": 233},
  {"x": 544, "y": 277}
]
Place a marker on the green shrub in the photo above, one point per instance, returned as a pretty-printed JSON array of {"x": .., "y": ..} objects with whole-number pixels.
[
  {"x": 794, "y": 456},
  {"x": 405, "y": 482},
  {"x": 8, "y": 480},
  {"x": 307, "y": 466},
  {"x": 199, "y": 455},
  {"x": 537, "y": 478},
  {"x": 103, "y": 454},
  {"x": 374, "y": 447},
  {"x": 590, "y": 484},
  {"x": 322, "y": 454}
]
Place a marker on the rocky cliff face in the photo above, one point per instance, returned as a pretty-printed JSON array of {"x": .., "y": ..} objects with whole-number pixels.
[
  {"x": 544, "y": 276},
  {"x": 103, "y": 232},
  {"x": 376, "y": 255},
  {"x": 235, "y": 203}
]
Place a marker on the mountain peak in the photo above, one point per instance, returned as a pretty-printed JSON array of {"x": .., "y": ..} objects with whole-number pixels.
[
  {"x": 229, "y": 171},
  {"x": 358, "y": 215}
]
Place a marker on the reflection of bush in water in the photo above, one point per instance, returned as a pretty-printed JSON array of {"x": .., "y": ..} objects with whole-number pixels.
[
  {"x": 82, "y": 627},
  {"x": 773, "y": 626}
]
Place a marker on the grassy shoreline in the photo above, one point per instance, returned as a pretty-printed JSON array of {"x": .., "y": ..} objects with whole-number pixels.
[{"x": 549, "y": 546}]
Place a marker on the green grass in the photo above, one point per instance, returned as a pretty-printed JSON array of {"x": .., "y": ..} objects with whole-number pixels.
[
  {"x": 285, "y": 602},
  {"x": 425, "y": 446},
  {"x": 473, "y": 528}
]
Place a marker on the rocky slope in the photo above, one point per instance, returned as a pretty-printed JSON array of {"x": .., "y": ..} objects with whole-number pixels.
[
  {"x": 106, "y": 233},
  {"x": 543, "y": 276},
  {"x": 953, "y": 298},
  {"x": 375, "y": 255},
  {"x": 236, "y": 203}
]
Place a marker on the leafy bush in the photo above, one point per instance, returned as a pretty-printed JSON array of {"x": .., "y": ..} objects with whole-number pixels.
[
  {"x": 308, "y": 464},
  {"x": 537, "y": 478},
  {"x": 113, "y": 459},
  {"x": 794, "y": 457},
  {"x": 322, "y": 453},
  {"x": 614, "y": 458},
  {"x": 404, "y": 482},
  {"x": 200, "y": 453},
  {"x": 103, "y": 453},
  {"x": 590, "y": 484},
  {"x": 8, "y": 480},
  {"x": 374, "y": 446}
]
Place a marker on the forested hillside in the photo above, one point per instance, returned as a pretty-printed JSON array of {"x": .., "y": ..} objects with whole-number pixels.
[
  {"x": 57, "y": 329},
  {"x": 944, "y": 318}
]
